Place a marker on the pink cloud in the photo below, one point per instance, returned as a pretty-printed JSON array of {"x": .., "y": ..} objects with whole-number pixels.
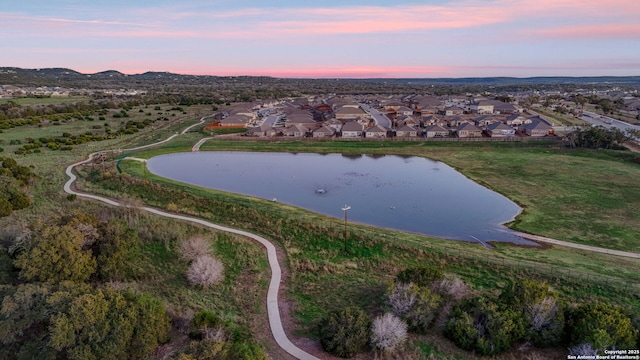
[{"x": 589, "y": 32}]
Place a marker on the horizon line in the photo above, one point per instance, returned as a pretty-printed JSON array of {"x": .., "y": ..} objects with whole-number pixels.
[{"x": 325, "y": 77}]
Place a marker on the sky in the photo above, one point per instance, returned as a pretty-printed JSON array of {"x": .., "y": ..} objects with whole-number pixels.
[{"x": 326, "y": 39}]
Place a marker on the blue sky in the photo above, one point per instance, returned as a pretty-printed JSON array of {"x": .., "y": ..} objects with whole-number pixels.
[{"x": 349, "y": 38}]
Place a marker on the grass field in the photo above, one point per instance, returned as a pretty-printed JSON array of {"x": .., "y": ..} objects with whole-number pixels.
[
  {"x": 46, "y": 100},
  {"x": 560, "y": 119}
]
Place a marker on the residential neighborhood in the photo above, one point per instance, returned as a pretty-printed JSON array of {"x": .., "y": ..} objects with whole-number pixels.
[{"x": 371, "y": 117}]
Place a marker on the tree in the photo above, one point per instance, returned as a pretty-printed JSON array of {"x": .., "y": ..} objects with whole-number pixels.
[
  {"x": 424, "y": 310},
  {"x": 56, "y": 255},
  {"x": 108, "y": 324},
  {"x": 345, "y": 333},
  {"x": 117, "y": 243},
  {"x": 540, "y": 309},
  {"x": 205, "y": 271},
  {"x": 480, "y": 324},
  {"x": 388, "y": 331},
  {"x": 421, "y": 275},
  {"x": 603, "y": 325}
]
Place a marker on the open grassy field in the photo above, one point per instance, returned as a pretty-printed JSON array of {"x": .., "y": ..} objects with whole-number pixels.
[
  {"x": 560, "y": 119},
  {"x": 46, "y": 100}
]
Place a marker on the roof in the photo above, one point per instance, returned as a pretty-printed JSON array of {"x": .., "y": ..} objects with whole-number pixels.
[
  {"x": 406, "y": 128},
  {"x": 538, "y": 125},
  {"x": 436, "y": 128},
  {"x": 404, "y": 108},
  {"x": 376, "y": 128},
  {"x": 352, "y": 126},
  {"x": 350, "y": 110},
  {"x": 325, "y": 129},
  {"x": 499, "y": 126},
  {"x": 467, "y": 127}
]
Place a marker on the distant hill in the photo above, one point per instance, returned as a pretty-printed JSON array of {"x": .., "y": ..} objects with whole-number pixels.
[{"x": 115, "y": 79}]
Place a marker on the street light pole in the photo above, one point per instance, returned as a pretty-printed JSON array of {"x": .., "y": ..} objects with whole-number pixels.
[{"x": 345, "y": 209}]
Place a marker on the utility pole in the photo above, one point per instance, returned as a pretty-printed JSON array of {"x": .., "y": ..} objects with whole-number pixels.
[{"x": 346, "y": 233}]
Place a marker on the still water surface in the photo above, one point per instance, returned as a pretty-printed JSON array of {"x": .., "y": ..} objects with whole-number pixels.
[{"x": 412, "y": 194}]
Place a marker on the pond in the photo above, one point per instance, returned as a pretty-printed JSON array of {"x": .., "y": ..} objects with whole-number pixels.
[{"x": 406, "y": 193}]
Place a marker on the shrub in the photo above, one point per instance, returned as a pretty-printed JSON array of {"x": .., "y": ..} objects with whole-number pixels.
[
  {"x": 452, "y": 287},
  {"x": 423, "y": 311},
  {"x": 205, "y": 271},
  {"x": 585, "y": 349},
  {"x": 193, "y": 248},
  {"x": 388, "y": 331},
  {"x": 479, "y": 324},
  {"x": 541, "y": 312},
  {"x": 602, "y": 325},
  {"x": 5, "y": 208},
  {"x": 401, "y": 298},
  {"x": 421, "y": 276},
  {"x": 345, "y": 333},
  {"x": 72, "y": 197}
]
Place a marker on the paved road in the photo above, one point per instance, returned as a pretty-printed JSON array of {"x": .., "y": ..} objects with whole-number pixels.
[
  {"x": 597, "y": 119},
  {"x": 273, "y": 311},
  {"x": 377, "y": 116}
]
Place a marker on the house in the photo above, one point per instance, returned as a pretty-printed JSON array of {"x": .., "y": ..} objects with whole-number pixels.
[
  {"x": 485, "y": 120},
  {"x": 406, "y": 131},
  {"x": 352, "y": 129},
  {"x": 296, "y": 130},
  {"x": 429, "y": 109},
  {"x": 482, "y": 107},
  {"x": 456, "y": 121},
  {"x": 392, "y": 105},
  {"x": 500, "y": 107},
  {"x": 403, "y": 110},
  {"x": 538, "y": 118},
  {"x": 537, "y": 128},
  {"x": 412, "y": 121},
  {"x": 516, "y": 120},
  {"x": 376, "y": 132},
  {"x": 300, "y": 117},
  {"x": 434, "y": 131},
  {"x": 324, "y": 132},
  {"x": 334, "y": 123},
  {"x": 452, "y": 111},
  {"x": 467, "y": 130},
  {"x": 433, "y": 120},
  {"x": 263, "y": 131},
  {"x": 350, "y": 113},
  {"x": 499, "y": 129},
  {"x": 234, "y": 121}
]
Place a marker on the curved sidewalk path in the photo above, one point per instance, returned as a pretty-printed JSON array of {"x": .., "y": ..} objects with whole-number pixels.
[
  {"x": 273, "y": 311},
  {"x": 578, "y": 246}
]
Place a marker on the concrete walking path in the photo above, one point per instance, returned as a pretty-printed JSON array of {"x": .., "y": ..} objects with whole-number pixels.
[
  {"x": 578, "y": 246},
  {"x": 273, "y": 311}
]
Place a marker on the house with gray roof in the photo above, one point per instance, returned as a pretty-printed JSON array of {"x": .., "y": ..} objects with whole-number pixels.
[
  {"x": 376, "y": 131},
  {"x": 406, "y": 131},
  {"x": 352, "y": 129},
  {"x": 324, "y": 132},
  {"x": 499, "y": 129},
  {"x": 295, "y": 130},
  {"x": 350, "y": 113},
  {"x": 435, "y": 131},
  {"x": 537, "y": 128},
  {"x": 467, "y": 130}
]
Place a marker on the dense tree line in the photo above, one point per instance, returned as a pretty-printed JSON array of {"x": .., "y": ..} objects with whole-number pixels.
[
  {"x": 13, "y": 178},
  {"x": 59, "y": 307},
  {"x": 599, "y": 137},
  {"x": 525, "y": 312}
]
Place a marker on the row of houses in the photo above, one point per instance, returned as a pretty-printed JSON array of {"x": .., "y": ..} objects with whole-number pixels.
[{"x": 354, "y": 129}]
